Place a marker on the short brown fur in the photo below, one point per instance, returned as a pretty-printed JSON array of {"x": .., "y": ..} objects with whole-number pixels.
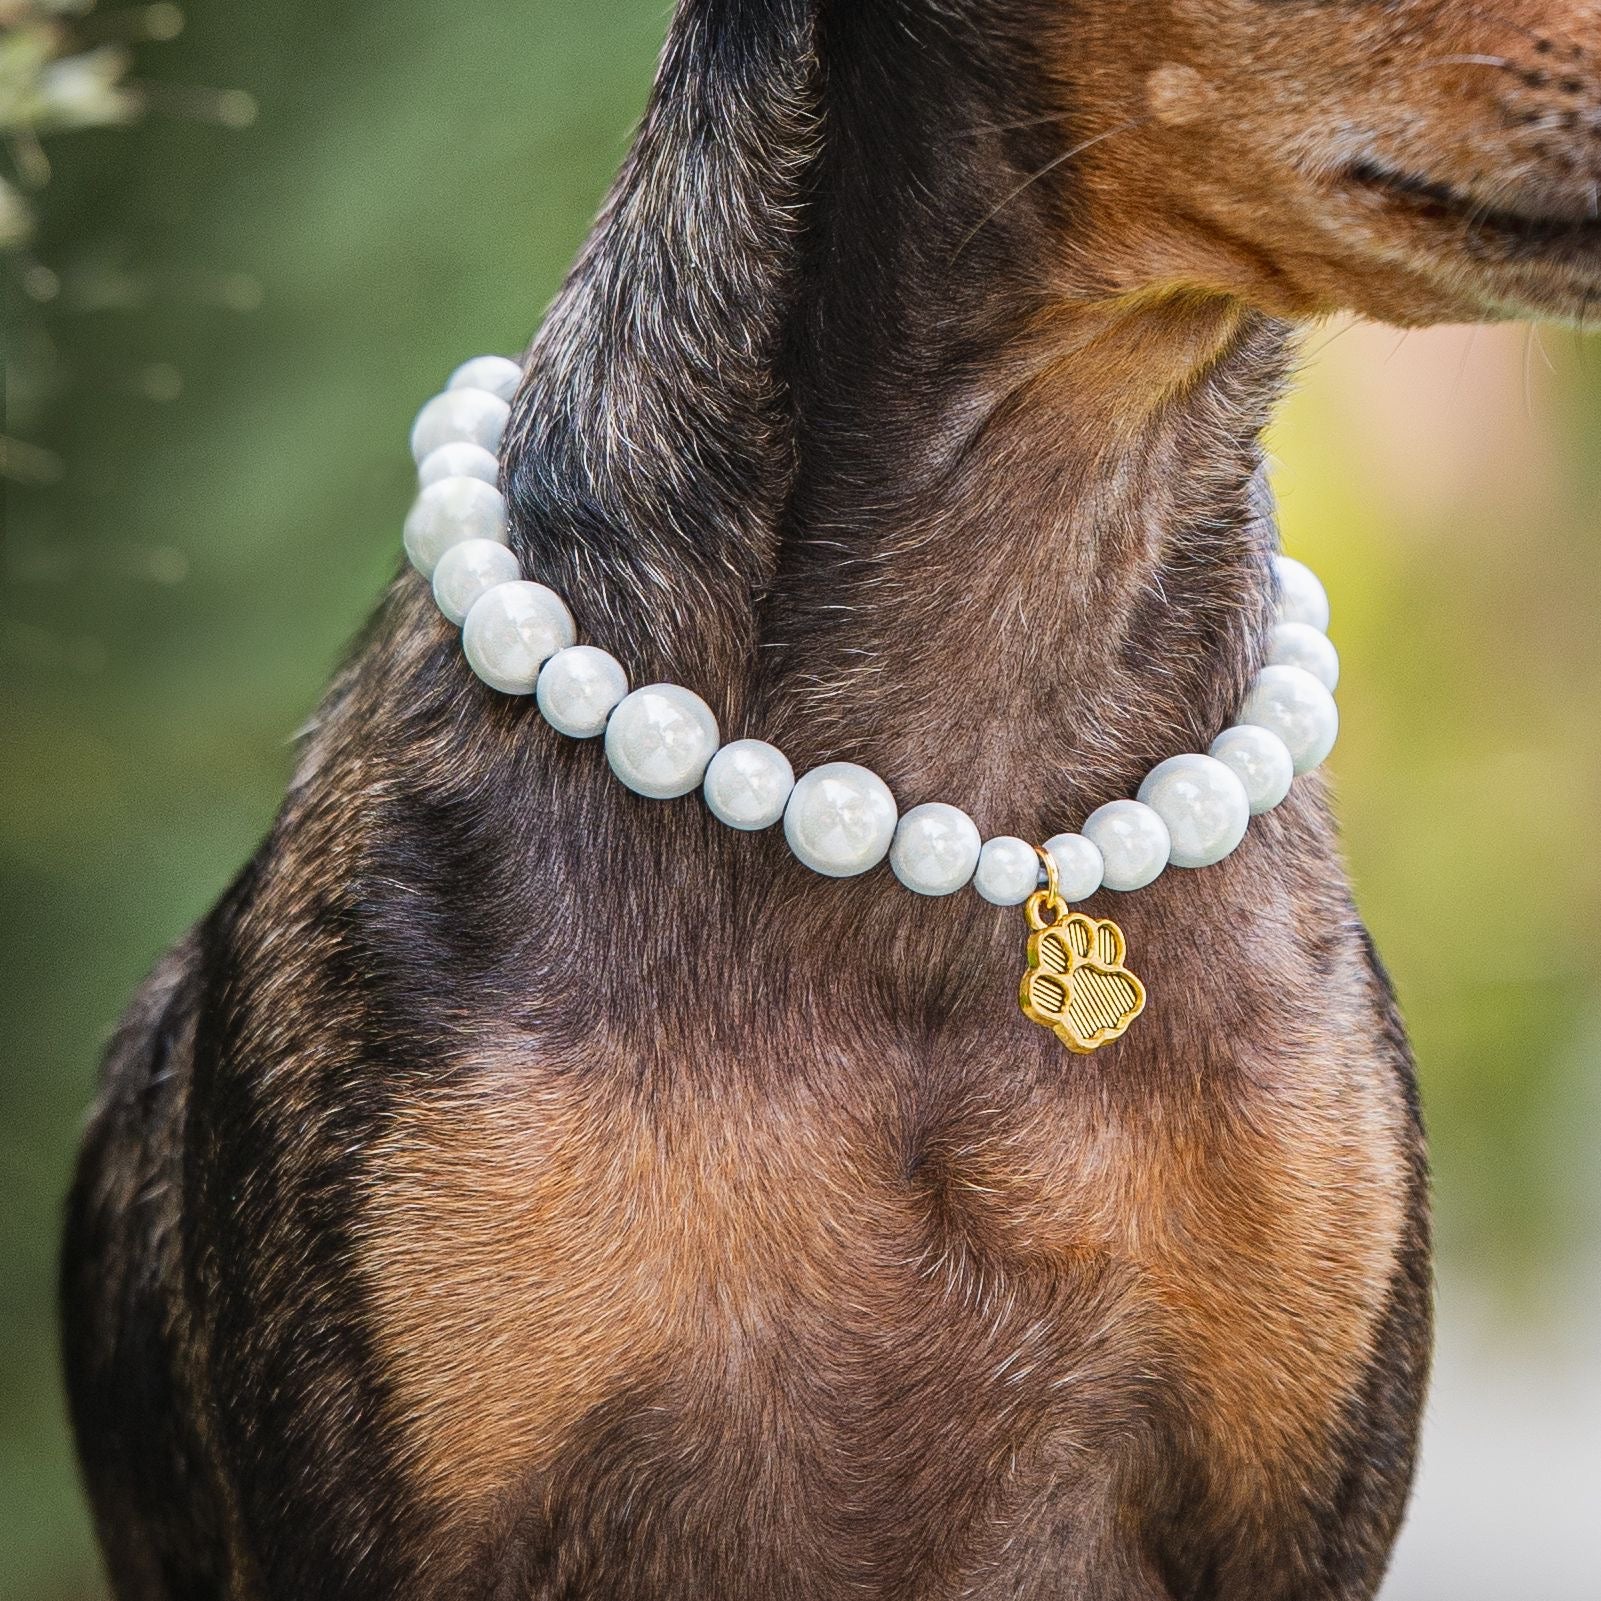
[{"x": 517, "y": 1188}]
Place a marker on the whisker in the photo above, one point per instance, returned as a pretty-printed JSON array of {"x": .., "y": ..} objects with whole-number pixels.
[
  {"x": 1049, "y": 167},
  {"x": 1012, "y": 127},
  {"x": 1467, "y": 352},
  {"x": 1339, "y": 333},
  {"x": 1500, "y": 63}
]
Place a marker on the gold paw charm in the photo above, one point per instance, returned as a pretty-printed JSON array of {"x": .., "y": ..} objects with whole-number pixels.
[{"x": 1076, "y": 984}]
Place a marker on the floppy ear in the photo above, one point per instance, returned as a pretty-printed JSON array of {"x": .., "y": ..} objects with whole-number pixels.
[
  {"x": 650, "y": 433},
  {"x": 658, "y": 437}
]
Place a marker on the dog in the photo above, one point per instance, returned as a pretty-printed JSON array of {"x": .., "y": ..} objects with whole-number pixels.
[{"x": 518, "y": 1188}]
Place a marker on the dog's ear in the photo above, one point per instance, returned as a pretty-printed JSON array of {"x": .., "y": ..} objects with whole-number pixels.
[
  {"x": 651, "y": 441},
  {"x": 794, "y": 152}
]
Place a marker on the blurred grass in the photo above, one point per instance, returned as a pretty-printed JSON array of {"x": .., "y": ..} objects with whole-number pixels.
[{"x": 415, "y": 186}]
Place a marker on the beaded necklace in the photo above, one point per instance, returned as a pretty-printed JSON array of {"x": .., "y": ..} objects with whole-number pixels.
[{"x": 840, "y": 819}]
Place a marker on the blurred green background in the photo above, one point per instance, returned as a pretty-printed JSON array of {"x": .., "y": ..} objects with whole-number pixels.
[{"x": 215, "y": 338}]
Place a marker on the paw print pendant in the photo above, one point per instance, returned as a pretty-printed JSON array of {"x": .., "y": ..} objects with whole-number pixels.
[{"x": 1076, "y": 984}]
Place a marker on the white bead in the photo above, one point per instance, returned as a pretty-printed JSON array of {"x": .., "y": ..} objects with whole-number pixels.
[
  {"x": 469, "y": 570},
  {"x": 1302, "y": 597},
  {"x": 448, "y": 512},
  {"x": 660, "y": 739},
  {"x": 469, "y": 416},
  {"x": 458, "y": 461},
  {"x": 840, "y": 819},
  {"x": 935, "y": 850},
  {"x": 1133, "y": 842},
  {"x": 1291, "y": 703},
  {"x": 578, "y": 689},
  {"x": 493, "y": 373},
  {"x": 1008, "y": 871},
  {"x": 1260, "y": 760},
  {"x": 1080, "y": 868},
  {"x": 512, "y": 631},
  {"x": 748, "y": 784},
  {"x": 1301, "y": 645},
  {"x": 1204, "y": 805}
]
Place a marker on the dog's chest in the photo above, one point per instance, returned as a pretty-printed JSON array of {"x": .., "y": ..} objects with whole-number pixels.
[{"x": 895, "y": 1323}]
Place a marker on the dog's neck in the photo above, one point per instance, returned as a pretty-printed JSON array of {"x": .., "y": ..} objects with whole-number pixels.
[{"x": 837, "y": 424}]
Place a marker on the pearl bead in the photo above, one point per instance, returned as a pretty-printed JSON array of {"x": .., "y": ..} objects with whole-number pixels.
[
  {"x": 1291, "y": 703},
  {"x": 448, "y": 512},
  {"x": 578, "y": 689},
  {"x": 936, "y": 849},
  {"x": 469, "y": 416},
  {"x": 1302, "y": 598},
  {"x": 458, "y": 461},
  {"x": 660, "y": 740},
  {"x": 1260, "y": 760},
  {"x": 1133, "y": 842},
  {"x": 840, "y": 819},
  {"x": 469, "y": 570},
  {"x": 748, "y": 784},
  {"x": 1008, "y": 871},
  {"x": 1301, "y": 645},
  {"x": 1203, "y": 804},
  {"x": 510, "y": 633},
  {"x": 1080, "y": 869},
  {"x": 493, "y": 373}
]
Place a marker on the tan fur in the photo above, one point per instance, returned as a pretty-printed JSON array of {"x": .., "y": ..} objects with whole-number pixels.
[
  {"x": 642, "y": 1240},
  {"x": 1235, "y": 180},
  {"x": 696, "y": 1234}
]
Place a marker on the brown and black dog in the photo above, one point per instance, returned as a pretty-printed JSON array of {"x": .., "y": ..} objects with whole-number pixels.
[{"x": 520, "y": 1189}]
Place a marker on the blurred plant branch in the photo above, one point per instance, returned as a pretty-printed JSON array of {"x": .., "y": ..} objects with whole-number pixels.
[
  {"x": 66, "y": 67},
  {"x": 53, "y": 79}
]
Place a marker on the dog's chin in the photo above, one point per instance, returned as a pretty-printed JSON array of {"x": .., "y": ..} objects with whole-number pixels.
[{"x": 1464, "y": 259}]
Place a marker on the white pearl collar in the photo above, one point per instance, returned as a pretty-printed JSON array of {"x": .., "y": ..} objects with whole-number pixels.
[{"x": 840, "y": 819}]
